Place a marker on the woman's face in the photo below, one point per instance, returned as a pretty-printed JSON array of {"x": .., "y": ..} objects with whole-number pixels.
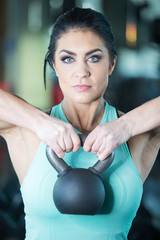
[{"x": 82, "y": 65}]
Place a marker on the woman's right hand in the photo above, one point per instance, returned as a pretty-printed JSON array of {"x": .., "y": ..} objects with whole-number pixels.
[{"x": 57, "y": 134}]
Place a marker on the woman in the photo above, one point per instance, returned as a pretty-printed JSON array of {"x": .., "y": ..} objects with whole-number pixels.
[{"x": 82, "y": 53}]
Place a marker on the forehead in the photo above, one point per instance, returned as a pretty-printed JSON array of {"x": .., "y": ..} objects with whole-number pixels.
[{"x": 80, "y": 40}]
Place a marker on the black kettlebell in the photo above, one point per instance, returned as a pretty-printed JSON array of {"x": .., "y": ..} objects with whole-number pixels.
[{"x": 78, "y": 190}]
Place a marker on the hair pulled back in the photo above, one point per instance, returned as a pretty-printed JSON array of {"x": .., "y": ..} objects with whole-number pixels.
[{"x": 80, "y": 18}]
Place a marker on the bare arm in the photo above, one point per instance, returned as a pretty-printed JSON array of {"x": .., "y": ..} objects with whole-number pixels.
[
  {"x": 16, "y": 112},
  {"x": 143, "y": 118},
  {"x": 13, "y": 110},
  {"x": 107, "y": 137}
]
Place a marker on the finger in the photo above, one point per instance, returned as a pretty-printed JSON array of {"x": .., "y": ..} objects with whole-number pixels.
[
  {"x": 58, "y": 150},
  {"x": 96, "y": 145},
  {"x": 76, "y": 142},
  {"x": 101, "y": 148},
  {"x": 68, "y": 143},
  {"x": 103, "y": 155},
  {"x": 89, "y": 142},
  {"x": 103, "y": 152},
  {"x": 61, "y": 144}
]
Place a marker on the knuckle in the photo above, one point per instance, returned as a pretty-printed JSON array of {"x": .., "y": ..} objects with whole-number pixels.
[
  {"x": 94, "y": 149},
  {"x": 57, "y": 149},
  {"x": 55, "y": 134},
  {"x": 98, "y": 127},
  {"x": 59, "y": 152},
  {"x": 69, "y": 126},
  {"x": 62, "y": 129},
  {"x": 51, "y": 143},
  {"x": 76, "y": 146},
  {"x": 69, "y": 148}
]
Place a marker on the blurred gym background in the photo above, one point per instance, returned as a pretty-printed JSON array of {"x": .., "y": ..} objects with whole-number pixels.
[{"x": 25, "y": 27}]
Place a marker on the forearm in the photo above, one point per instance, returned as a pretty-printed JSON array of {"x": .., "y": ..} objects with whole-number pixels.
[
  {"x": 15, "y": 111},
  {"x": 105, "y": 138},
  {"x": 143, "y": 118},
  {"x": 59, "y": 135}
]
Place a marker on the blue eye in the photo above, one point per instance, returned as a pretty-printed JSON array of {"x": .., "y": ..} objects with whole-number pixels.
[
  {"x": 95, "y": 58},
  {"x": 67, "y": 59}
]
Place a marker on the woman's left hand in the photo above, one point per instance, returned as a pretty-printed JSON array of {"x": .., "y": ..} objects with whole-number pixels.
[{"x": 105, "y": 138}]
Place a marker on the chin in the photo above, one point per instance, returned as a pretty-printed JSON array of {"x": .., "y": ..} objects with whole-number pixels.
[{"x": 86, "y": 100}]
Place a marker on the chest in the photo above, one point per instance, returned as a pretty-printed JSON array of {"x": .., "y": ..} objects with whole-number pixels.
[{"x": 122, "y": 185}]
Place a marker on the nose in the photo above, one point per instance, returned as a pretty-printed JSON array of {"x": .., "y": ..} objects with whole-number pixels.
[{"x": 82, "y": 71}]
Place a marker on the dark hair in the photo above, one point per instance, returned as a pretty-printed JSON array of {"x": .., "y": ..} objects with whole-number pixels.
[{"x": 80, "y": 18}]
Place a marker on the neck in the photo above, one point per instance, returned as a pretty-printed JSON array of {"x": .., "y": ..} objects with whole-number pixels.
[{"x": 84, "y": 117}]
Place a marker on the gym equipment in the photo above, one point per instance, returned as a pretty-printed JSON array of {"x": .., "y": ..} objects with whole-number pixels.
[{"x": 78, "y": 190}]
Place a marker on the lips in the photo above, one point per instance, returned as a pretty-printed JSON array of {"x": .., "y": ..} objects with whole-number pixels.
[{"x": 81, "y": 88}]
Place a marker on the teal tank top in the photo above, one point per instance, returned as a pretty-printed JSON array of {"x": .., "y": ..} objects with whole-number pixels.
[{"x": 123, "y": 195}]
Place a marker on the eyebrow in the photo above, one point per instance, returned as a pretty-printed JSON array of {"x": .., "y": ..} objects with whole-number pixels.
[{"x": 74, "y": 54}]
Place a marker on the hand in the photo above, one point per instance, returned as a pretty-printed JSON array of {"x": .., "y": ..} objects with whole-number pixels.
[
  {"x": 59, "y": 135},
  {"x": 105, "y": 138}
]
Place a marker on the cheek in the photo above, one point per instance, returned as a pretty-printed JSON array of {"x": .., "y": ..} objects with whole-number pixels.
[
  {"x": 102, "y": 77},
  {"x": 63, "y": 73},
  {"x": 63, "y": 83},
  {"x": 104, "y": 84}
]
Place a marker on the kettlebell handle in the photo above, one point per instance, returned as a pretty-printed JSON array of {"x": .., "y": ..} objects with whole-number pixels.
[{"x": 60, "y": 165}]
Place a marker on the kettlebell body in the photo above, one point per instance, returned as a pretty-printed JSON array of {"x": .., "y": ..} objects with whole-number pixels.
[{"x": 78, "y": 190}]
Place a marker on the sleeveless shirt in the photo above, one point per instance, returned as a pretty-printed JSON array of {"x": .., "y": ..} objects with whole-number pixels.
[{"x": 123, "y": 188}]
